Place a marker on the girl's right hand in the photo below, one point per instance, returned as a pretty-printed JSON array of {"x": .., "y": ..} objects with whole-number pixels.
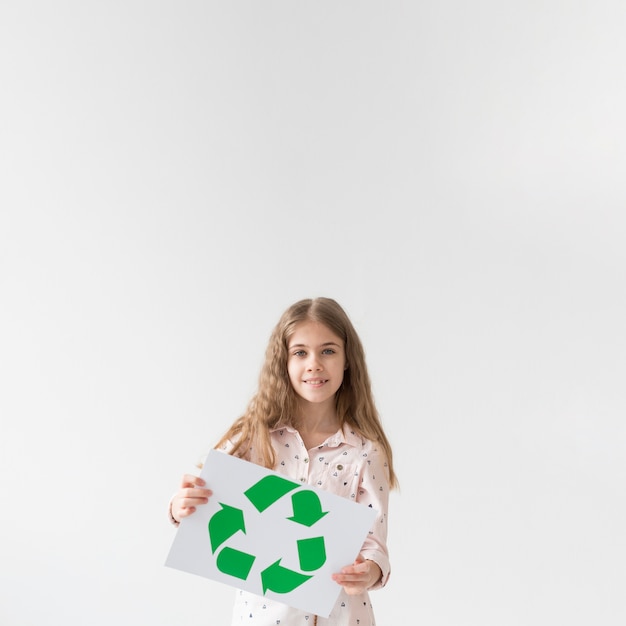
[{"x": 190, "y": 495}]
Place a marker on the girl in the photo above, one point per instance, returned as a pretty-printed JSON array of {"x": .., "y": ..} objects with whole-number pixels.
[{"x": 313, "y": 419}]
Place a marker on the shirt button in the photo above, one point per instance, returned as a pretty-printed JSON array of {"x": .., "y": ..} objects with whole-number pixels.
[
  {"x": 302, "y": 480},
  {"x": 339, "y": 467},
  {"x": 306, "y": 460}
]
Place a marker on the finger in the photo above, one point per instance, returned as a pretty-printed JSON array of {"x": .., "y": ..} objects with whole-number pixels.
[
  {"x": 193, "y": 497},
  {"x": 189, "y": 480},
  {"x": 185, "y": 512},
  {"x": 195, "y": 492},
  {"x": 360, "y": 568},
  {"x": 188, "y": 504},
  {"x": 349, "y": 578},
  {"x": 351, "y": 587}
]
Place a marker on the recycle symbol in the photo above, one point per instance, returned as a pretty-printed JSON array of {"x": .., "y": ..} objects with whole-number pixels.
[{"x": 307, "y": 510}]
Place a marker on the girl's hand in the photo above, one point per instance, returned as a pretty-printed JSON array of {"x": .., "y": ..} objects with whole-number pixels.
[
  {"x": 359, "y": 576},
  {"x": 190, "y": 495}
]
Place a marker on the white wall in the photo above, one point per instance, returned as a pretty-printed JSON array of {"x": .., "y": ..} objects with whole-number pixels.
[{"x": 175, "y": 174}]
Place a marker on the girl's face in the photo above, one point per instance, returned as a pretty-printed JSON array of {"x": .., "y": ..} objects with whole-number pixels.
[{"x": 316, "y": 362}]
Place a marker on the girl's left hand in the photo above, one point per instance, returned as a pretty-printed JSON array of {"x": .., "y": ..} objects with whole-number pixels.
[{"x": 359, "y": 576}]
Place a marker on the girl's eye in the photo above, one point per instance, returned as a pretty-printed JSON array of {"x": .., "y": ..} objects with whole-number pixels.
[
  {"x": 299, "y": 353},
  {"x": 328, "y": 351}
]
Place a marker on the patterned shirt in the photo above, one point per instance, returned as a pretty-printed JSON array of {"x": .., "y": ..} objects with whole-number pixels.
[{"x": 350, "y": 466}]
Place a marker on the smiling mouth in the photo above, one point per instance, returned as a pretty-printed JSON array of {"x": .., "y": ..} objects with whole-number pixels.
[{"x": 318, "y": 381}]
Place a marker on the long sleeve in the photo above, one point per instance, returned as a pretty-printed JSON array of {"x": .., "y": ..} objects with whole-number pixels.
[{"x": 374, "y": 491}]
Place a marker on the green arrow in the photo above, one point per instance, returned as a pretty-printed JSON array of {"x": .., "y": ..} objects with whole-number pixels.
[
  {"x": 268, "y": 490},
  {"x": 312, "y": 553},
  {"x": 307, "y": 508},
  {"x": 224, "y": 524},
  {"x": 234, "y": 563},
  {"x": 280, "y": 579}
]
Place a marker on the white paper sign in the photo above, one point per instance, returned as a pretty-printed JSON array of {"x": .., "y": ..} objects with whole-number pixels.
[{"x": 270, "y": 535}]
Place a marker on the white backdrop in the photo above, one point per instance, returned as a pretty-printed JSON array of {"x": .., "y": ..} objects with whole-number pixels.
[{"x": 175, "y": 174}]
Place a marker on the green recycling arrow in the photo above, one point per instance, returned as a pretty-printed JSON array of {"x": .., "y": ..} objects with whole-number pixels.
[
  {"x": 280, "y": 579},
  {"x": 234, "y": 562},
  {"x": 307, "y": 508},
  {"x": 312, "y": 553},
  {"x": 269, "y": 489},
  {"x": 224, "y": 524}
]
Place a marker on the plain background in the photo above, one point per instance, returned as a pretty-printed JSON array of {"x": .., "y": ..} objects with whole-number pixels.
[{"x": 174, "y": 174}]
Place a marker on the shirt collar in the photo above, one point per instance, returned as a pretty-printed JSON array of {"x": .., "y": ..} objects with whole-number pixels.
[{"x": 346, "y": 435}]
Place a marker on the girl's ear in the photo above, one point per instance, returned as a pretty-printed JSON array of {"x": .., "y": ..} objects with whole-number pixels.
[{"x": 345, "y": 367}]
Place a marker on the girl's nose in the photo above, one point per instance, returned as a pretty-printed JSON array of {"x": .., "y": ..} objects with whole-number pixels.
[{"x": 314, "y": 364}]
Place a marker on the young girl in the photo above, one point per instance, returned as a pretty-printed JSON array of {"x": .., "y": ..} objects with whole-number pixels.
[{"x": 314, "y": 420}]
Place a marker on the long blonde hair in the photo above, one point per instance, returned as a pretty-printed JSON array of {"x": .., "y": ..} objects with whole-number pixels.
[{"x": 275, "y": 401}]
